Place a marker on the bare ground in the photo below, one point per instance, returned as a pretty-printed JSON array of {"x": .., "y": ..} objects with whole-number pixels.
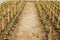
[{"x": 29, "y": 26}]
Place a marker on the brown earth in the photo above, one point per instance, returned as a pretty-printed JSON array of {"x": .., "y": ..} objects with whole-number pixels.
[{"x": 29, "y": 26}]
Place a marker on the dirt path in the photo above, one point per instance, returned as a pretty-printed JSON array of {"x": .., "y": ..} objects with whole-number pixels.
[{"x": 29, "y": 27}]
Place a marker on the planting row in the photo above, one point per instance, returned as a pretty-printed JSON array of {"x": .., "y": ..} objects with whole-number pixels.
[{"x": 8, "y": 20}]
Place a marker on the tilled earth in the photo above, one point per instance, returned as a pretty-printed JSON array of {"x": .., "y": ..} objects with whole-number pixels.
[{"x": 29, "y": 26}]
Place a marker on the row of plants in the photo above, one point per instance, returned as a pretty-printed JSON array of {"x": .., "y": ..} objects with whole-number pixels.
[
  {"x": 54, "y": 14},
  {"x": 5, "y": 5},
  {"x": 9, "y": 20},
  {"x": 49, "y": 16}
]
